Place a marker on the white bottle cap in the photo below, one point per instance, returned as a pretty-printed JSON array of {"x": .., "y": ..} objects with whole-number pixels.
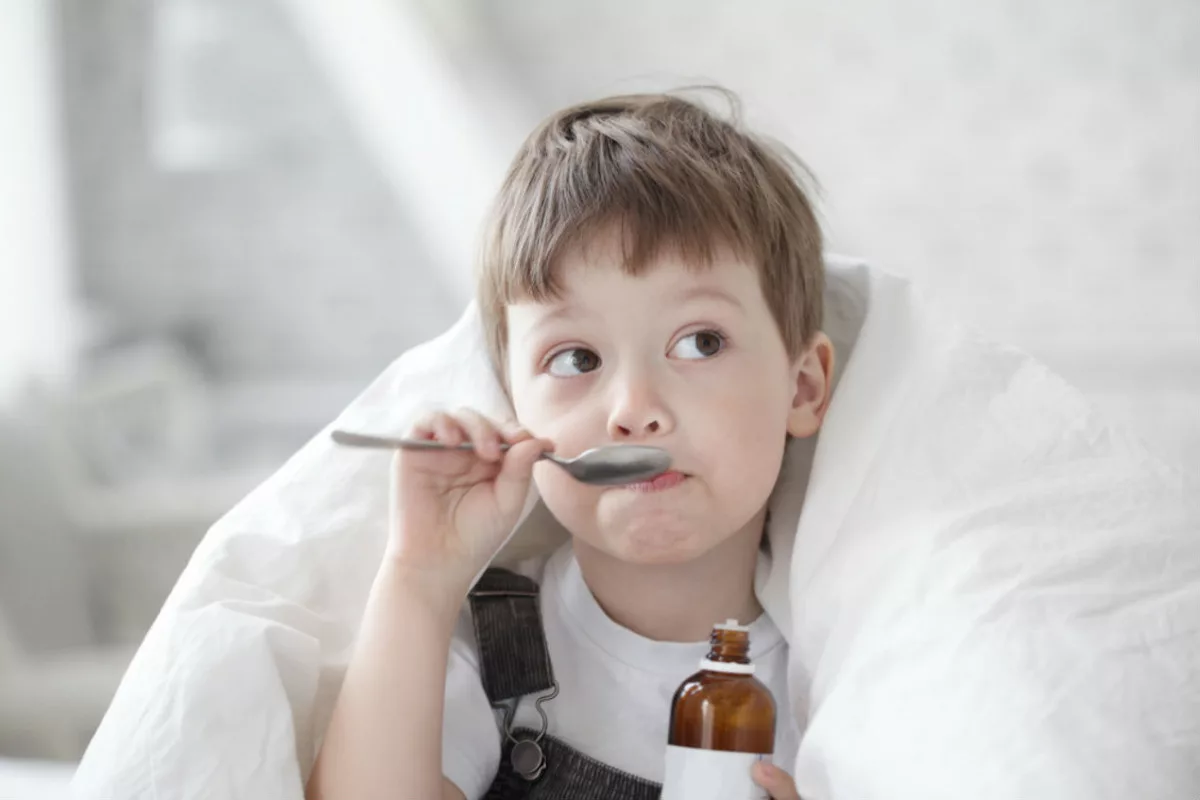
[{"x": 731, "y": 625}]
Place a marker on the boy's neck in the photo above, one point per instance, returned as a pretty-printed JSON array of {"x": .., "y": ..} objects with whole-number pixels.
[{"x": 678, "y": 602}]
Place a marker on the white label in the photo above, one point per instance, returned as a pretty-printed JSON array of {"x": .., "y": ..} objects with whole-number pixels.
[{"x": 695, "y": 774}]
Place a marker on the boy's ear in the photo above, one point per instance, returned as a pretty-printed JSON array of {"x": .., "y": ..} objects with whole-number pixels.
[{"x": 812, "y": 374}]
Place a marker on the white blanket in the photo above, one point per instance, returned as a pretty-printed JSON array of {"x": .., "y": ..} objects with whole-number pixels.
[{"x": 988, "y": 591}]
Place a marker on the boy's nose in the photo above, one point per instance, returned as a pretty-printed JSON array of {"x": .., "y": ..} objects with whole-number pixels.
[
  {"x": 629, "y": 431},
  {"x": 638, "y": 414}
]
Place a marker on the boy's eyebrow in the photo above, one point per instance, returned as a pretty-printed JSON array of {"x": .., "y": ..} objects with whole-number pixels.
[
  {"x": 710, "y": 293},
  {"x": 562, "y": 311}
]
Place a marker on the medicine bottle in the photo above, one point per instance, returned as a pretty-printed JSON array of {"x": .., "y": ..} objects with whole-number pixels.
[{"x": 722, "y": 721}]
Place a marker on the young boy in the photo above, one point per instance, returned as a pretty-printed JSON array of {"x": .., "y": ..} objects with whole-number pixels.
[{"x": 653, "y": 275}]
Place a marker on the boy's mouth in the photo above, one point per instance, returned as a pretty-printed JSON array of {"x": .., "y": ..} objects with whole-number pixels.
[{"x": 667, "y": 480}]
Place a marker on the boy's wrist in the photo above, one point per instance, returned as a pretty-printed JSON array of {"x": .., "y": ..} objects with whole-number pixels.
[{"x": 440, "y": 592}]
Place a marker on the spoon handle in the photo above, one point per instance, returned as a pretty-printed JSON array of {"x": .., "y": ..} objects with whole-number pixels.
[{"x": 350, "y": 439}]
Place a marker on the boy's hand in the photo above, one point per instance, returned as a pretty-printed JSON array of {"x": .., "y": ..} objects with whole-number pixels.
[
  {"x": 452, "y": 509},
  {"x": 777, "y": 782}
]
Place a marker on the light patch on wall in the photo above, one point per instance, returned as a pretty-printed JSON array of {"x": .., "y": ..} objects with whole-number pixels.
[{"x": 213, "y": 102}]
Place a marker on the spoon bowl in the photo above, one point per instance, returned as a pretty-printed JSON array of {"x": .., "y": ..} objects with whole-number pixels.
[{"x": 609, "y": 465}]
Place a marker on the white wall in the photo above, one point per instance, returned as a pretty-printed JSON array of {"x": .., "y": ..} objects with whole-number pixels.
[
  {"x": 424, "y": 130},
  {"x": 37, "y": 326}
]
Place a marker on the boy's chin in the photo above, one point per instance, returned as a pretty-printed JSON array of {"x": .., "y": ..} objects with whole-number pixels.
[{"x": 657, "y": 546}]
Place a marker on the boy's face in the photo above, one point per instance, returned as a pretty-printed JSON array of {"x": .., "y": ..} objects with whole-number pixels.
[{"x": 689, "y": 360}]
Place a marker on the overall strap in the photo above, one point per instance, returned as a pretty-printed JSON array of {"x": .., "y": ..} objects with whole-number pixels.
[
  {"x": 514, "y": 661},
  {"x": 513, "y": 657}
]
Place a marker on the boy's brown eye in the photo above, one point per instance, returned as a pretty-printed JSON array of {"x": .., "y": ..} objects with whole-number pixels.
[
  {"x": 708, "y": 343},
  {"x": 702, "y": 344},
  {"x": 575, "y": 361}
]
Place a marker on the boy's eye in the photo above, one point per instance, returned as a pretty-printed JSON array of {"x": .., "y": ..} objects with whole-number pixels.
[
  {"x": 575, "y": 361},
  {"x": 702, "y": 344}
]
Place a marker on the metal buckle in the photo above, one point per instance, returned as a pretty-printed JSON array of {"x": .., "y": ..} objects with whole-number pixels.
[{"x": 527, "y": 757}]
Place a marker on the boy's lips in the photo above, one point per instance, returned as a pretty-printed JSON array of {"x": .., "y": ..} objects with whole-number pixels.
[{"x": 658, "y": 483}]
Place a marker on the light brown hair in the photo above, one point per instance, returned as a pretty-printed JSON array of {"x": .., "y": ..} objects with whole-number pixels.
[{"x": 665, "y": 173}]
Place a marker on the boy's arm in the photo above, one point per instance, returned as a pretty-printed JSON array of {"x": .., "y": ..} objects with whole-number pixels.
[
  {"x": 451, "y": 511},
  {"x": 385, "y": 737}
]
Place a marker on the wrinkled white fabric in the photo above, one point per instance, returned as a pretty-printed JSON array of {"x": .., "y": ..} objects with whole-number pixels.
[{"x": 988, "y": 591}]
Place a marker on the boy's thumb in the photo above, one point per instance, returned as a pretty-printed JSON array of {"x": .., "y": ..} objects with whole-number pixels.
[{"x": 512, "y": 482}]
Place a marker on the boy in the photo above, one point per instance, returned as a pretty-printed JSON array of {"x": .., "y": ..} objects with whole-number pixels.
[{"x": 652, "y": 275}]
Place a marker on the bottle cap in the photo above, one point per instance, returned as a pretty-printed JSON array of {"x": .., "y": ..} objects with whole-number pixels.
[{"x": 731, "y": 625}]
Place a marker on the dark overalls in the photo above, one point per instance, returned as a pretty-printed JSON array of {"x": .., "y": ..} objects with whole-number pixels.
[{"x": 514, "y": 663}]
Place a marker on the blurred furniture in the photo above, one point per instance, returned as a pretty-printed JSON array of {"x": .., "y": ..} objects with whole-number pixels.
[
  {"x": 56, "y": 676},
  {"x": 105, "y": 491}
]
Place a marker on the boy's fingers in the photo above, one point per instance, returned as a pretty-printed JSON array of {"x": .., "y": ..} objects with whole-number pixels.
[
  {"x": 777, "y": 782},
  {"x": 482, "y": 433},
  {"x": 518, "y": 464},
  {"x": 512, "y": 481},
  {"x": 439, "y": 427},
  {"x": 423, "y": 428},
  {"x": 514, "y": 432},
  {"x": 447, "y": 430}
]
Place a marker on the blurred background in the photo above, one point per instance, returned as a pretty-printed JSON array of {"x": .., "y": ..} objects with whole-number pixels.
[{"x": 219, "y": 219}]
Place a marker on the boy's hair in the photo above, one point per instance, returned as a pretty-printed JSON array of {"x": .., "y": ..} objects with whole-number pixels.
[{"x": 666, "y": 175}]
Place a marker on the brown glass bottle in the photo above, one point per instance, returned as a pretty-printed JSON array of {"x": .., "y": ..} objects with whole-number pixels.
[{"x": 722, "y": 710}]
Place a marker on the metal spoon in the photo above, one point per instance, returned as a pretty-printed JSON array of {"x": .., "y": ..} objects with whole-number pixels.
[{"x": 611, "y": 465}]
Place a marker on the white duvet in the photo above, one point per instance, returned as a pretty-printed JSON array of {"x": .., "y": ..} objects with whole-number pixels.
[{"x": 989, "y": 592}]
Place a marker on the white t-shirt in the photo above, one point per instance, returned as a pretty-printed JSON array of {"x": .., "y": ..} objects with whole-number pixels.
[{"x": 615, "y": 686}]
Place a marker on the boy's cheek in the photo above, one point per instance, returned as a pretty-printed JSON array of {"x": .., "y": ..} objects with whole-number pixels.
[
  {"x": 572, "y": 503},
  {"x": 572, "y": 424}
]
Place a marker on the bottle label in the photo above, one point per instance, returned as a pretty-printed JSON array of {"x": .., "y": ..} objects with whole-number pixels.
[{"x": 695, "y": 774}]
